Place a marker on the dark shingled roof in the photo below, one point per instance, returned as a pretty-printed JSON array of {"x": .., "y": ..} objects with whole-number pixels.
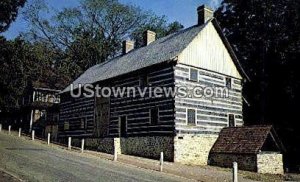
[
  {"x": 243, "y": 140},
  {"x": 161, "y": 50}
]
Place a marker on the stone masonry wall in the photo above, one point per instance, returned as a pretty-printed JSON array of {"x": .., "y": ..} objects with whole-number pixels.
[
  {"x": 193, "y": 148},
  {"x": 97, "y": 144},
  {"x": 245, "y": 162},
  {"x": 270, "y": 163},
  {"x": 149, "y": 147}
]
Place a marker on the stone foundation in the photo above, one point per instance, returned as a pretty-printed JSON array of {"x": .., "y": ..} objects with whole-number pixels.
[
  {"x": 96, "y": 144},
  {"x": 245, "y": 161},
  {"x": 149, "y": 146},
  {"x": 193, "y": 148},
  {"x": 270, "y": 163}
]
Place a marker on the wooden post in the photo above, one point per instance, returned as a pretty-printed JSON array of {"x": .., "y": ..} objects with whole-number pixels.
[
  {"x": 69, "y": 143},
  {"x": 161, "y": 161},
  {"x": 9, "y": 128},
  {"x": 20, "y": 131},
  {"x": 48, "y": 141},
  {"x": 32, "y": 134},
  {"x": 235, "y": 172},
  {"x": 0, "y": 127},
  {"x": 82, "y": 145}
]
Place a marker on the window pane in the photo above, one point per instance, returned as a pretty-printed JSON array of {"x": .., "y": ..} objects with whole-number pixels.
[
  {"x": 143, "y": 81},
  {"x": 228, "y": 83},
  {"x": 193, "y": 74},
  {"x": 231, "y": 120},
  {"x": 191, "y": 117}
]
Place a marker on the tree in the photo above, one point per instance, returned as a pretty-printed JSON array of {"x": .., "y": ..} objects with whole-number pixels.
[
  {"x": 23, "y": 63},
  {"x": 266, "y": 37},
  {"x": 9, "y": 12},
  {"x": 159, "y": 26},
  {"x": 90, "y": 33}
]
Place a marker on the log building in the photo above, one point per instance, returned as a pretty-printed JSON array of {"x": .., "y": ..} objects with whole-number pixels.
[{"x": 184, "y": 128}]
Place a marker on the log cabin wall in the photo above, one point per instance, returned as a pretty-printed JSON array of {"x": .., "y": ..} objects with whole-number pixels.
[
  {"x": 137, "y": 110},
  {"x": 74, "y": 111},
  {"x": 212, "y": 114},
  {"x": 76, "y": 116}
]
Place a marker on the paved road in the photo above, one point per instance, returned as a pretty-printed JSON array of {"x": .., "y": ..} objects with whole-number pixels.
[{"x": 32, "y": 161}]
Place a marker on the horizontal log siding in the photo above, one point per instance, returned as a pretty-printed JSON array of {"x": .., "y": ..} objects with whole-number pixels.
[
  {"x": 211, "y": 113},
  {"x": 73, "y": 110},
  {"x": 137, "y": 109}
]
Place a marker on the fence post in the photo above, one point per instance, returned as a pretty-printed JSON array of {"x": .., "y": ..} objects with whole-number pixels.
[
  {"x": 161, "y": 161},
  {"x": 235, "y": 172},
  {"x": 48, "y": 141},
  {"x": 82, "y": 145},
  {"x": 0, "y": 127},
  {"x": 69, "y": 143},
  {"x": 9, "y": 128},
  {"x": 32, "y": 134},
  {"x": 20, "y": 131}
]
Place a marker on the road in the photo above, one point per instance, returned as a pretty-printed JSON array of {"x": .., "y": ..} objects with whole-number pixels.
[{"x": 33, "y": 161}]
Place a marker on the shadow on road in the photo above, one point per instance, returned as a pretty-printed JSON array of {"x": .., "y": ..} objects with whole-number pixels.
[{"x": 27, "y": 149}]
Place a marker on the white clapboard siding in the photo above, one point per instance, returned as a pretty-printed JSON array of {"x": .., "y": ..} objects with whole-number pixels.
[{"x": 207, "y": 51}]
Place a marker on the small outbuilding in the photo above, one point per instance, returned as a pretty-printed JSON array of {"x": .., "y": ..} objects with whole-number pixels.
[{"x": 254, "y": 148}]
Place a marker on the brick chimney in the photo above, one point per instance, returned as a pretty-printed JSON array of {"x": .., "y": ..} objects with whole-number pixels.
[
  {"x": 149, "y": 37},
  {"x": 127, "y": 46},
  {"x": 205, "y": 13}
]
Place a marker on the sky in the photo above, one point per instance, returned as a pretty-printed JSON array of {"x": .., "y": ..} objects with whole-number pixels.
[{"x": 183, "y": 11}]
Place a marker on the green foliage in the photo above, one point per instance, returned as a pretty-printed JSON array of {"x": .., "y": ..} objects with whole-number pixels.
[
  {"x": 23, "y": 64},
  {"x": 9, "y": 12},
  {"x": 92, "y": 32},
  {"x": 266, "y": 37}
]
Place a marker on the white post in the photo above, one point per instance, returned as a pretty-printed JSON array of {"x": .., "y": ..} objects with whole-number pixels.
[
  {"x": 48, "y": 141},
  {"x": 115, "y": 155},
  {"x": 161, "y": 161},
  {"x": 0, "y": 127},
  {"x": 82, "y": 145},
  {"x": 20, "y": 130},
  {"x": 32, "y": 134},
  {"x": 31, "y": 120},
  {"x": 235, "y": 172},
  {"x": 69, "y": 143},
  {"x": 9, "y": 128}
]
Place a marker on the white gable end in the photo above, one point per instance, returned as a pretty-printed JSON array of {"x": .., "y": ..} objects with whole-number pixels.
[{"x": 207, "y": 51}]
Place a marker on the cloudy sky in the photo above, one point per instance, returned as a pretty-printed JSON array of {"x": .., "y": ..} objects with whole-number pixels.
[{"x": 183, "y": 11}]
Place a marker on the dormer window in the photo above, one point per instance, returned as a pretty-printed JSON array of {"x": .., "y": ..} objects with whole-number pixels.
[
  {"x": 228, "y": 82},
  {"x": 194, "y": 75}
]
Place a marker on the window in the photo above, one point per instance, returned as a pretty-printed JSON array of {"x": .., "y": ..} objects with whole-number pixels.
[
  {"x": 123, "y": 126},
  {"x": 154, "y": 115},
  {"x": 66, "y": 125},
  {"x": 228, "y": 83},
  {"x": 191, "y": 117},
  {"x": 143, "y": 81},
  {"x": 82, "y": 123},
  {"x": 231, "y": 120},
  {"x": 194, "y": 74}
]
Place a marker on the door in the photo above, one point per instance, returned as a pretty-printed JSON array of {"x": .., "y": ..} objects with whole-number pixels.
[
  {"x": 123, "y": 126},
  {"x": 101, "y": 128}
]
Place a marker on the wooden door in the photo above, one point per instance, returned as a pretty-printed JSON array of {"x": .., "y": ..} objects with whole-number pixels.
[{"x": 101, "y": 128}]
